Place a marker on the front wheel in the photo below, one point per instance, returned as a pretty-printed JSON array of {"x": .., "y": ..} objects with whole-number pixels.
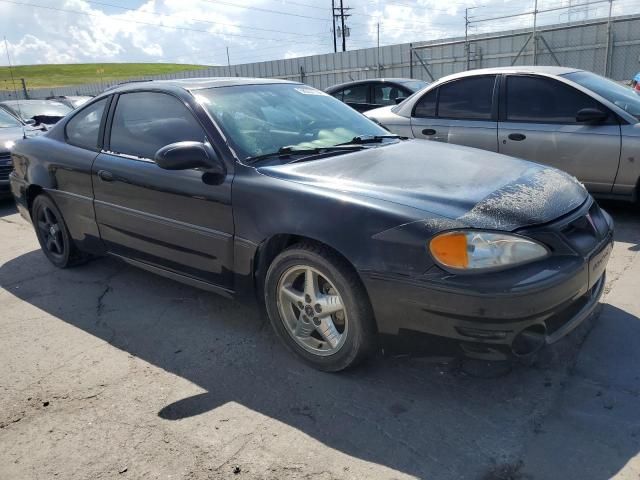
[{"x": 319, "y": 308}]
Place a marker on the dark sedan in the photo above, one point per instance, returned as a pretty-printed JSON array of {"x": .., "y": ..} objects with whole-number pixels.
[
  {"x": 348, "y": 235},
  {"x": 11, "y": 130},
  {"x": 363, "y": 95},
  {"x": 39, "y": 113}
]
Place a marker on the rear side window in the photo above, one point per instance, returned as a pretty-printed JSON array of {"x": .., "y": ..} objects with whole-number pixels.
[
  {"x": 84, "y": 127},
  {"x": 544, "y": 100},
  {"x": 387, "y": 94},
  {"x": 467, "y": 99},
  {"x": 144, "y": 122},
  {"x": 426, "y": 106},
  {"x": 356, "y": 94}
]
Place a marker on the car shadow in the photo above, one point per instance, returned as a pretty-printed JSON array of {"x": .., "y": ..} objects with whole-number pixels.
[
  {"x": 7, "y": 207},
  {"x": 625, "y": 216},
  {"x": 424, "y": 417}
]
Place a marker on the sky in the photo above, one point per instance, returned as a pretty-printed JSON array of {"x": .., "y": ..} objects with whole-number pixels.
[{"x": 200, "y": 31}]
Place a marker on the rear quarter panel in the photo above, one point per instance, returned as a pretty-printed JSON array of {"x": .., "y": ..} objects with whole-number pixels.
[{"x": 64, "y": 173}]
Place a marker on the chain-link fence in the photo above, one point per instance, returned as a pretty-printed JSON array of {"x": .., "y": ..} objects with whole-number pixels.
[{"x": 608, "y": 46}]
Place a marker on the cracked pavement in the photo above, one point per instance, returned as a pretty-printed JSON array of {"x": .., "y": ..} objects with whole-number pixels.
[{"x": 107, "y": 372}]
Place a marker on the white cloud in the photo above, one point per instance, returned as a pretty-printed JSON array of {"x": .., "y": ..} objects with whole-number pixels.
[{"x": 198, "y": 31}]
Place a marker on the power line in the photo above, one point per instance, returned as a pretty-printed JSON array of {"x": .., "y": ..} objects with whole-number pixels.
[
  {"x": 140, "y": 22},
  {"x": 197, "y": 20},
  {"x": 265, "y": 10}
]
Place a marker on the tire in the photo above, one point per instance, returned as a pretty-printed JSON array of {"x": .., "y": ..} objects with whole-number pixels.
[
  {"x": 53, "y": 234},
  {"x": 308, "y": 289}
]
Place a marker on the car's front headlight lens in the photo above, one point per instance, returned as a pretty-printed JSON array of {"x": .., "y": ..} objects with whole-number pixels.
[{"x": 477, "y": 250}]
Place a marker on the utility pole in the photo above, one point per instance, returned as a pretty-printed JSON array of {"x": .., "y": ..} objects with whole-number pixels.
[
  {"x": 228, "y": 61},
  {"x": 379, "y": 66},
  {"x": 466, "y": 37},
  {"x": 343, "y": 30},
  {"x": 333, "y": 16},
  {"x": 534, "y": 35}
]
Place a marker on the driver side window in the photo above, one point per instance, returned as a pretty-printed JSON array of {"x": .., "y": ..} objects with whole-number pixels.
[{"x": 144, "y": 122}]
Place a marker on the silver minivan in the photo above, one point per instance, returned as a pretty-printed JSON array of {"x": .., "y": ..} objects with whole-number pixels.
[{"x": 574, "y": 120}]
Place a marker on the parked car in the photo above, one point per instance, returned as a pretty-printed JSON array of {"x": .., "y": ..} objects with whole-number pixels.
[
  {"x": 345, "y": 233},
  {"x": 73, "y": 101},
  {"x": 635, "y": 83},
  {"x": 571, "y": 119},
  {"x": 39, "y": 113},
  {"x": 364, "y": 95},
  {"x": 11, "y": 130}
]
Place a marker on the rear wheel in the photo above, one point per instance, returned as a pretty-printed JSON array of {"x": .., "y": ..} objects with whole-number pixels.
[
  {"x": 319, "y": 308},
  {"x": 53, "y": 235}
]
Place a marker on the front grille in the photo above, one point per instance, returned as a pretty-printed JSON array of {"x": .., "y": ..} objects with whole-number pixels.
[
  {"x": 5, "y": 165},
  {"x": 585, "y": 232}
]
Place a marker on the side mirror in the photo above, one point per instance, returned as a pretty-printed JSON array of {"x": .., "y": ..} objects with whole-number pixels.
[
  {"x": 187, "y": 155},
  {"x": 30, "y": 121},
  {"x": 591, "y": 115},
  {"x": 399, "y": 100}
]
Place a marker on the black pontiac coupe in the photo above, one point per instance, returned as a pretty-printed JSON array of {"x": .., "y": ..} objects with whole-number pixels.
[{"x": 346, "y": 233}]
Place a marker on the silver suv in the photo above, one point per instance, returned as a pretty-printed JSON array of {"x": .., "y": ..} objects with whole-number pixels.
[{"x": 574, "y": 120}]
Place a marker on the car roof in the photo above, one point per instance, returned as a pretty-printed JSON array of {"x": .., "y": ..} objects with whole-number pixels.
[
  {"x": 195, "y": 83},
  {"x": 11, "y": 103},
  {"x": 545, "y": 70},
  {"x": 374, "y": 80}
]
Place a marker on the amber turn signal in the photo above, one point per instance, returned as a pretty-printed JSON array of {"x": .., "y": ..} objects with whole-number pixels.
[{"x": 450, "y": 249}]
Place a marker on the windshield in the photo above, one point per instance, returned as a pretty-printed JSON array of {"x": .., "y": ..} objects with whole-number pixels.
[
  {"x": 7, "y": 120},
  {"x": 28, "y": 110},
  {"x": 261, "y": 119},
  {"x": 415, "y": 85},
  {"x": 617, "y": 94}
]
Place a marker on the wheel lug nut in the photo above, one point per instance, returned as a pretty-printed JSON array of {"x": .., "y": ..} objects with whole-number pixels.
[
  {"x": 307, "y": 298},
  {"x": 300, "y": 305},
  {"x": 318, "y": 308},
  {"x": 316, "y": 321}
]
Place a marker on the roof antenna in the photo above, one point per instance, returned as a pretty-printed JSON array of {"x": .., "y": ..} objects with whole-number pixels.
[{"x": 13, "y": 81}]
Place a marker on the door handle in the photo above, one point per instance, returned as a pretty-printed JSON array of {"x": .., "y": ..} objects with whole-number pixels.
[
  {"x": 428, "y": 131},
  {"x": 517, "y": 137},
  {"x": 105, "y": 176}
]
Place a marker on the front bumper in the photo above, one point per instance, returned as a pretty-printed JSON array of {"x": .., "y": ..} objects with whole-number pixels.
[{"x": 497, "y": 314}]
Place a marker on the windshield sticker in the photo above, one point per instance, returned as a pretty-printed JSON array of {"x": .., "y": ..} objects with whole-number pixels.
[{"x": 309, "y": 91}]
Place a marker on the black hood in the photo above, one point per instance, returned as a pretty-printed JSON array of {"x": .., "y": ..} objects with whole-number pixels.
[
  {"x": 478, "y": 188},
  {"x": 10, "y": 134}
]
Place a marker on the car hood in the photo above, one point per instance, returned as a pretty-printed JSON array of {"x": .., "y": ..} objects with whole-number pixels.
[
  {"x": 379, "y": 111},
  {"x": 476, "y": 188},
  {"x": 9, "y": 134}
]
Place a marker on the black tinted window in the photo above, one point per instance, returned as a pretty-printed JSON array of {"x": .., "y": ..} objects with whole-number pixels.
[
  {"x": 426, "y": 106},
  {"x": 387, "y": 94},
  {"x": 543, "y": 100},
  {"x": 83, "y": 129},
  {"x": 467, "y": 99},
  {"x": 355, "y": 94},
  {"x": 145, "y": 122}
]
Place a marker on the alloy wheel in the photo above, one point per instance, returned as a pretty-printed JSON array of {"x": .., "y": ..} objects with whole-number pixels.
[
  {"x": 312, "y": 310},
  {"x": 51, "y": 232}
]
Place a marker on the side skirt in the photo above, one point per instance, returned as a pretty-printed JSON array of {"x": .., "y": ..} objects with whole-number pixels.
[{"x": 177, "y": 277}]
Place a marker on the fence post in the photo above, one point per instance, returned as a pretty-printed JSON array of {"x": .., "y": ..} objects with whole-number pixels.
[
  {"x": 609, "y": 47},
  {"x": 301, "y": 74},
  {"x": 24, "y": 89},
  {"x": 411, "y": 60}
]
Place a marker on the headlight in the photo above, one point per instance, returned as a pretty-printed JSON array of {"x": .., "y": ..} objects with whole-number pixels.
[
  {"x": 9, "y": 144},
  {"x": 477, "y": 250}
]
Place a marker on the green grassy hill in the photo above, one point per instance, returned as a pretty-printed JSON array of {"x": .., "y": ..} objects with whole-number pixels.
[{"x": 44, "y": 76}]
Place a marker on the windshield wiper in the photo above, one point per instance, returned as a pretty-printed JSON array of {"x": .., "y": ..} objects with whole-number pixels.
[
  {"x": 362, "y": 139},
  {"x": 290, "y": 150}
]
